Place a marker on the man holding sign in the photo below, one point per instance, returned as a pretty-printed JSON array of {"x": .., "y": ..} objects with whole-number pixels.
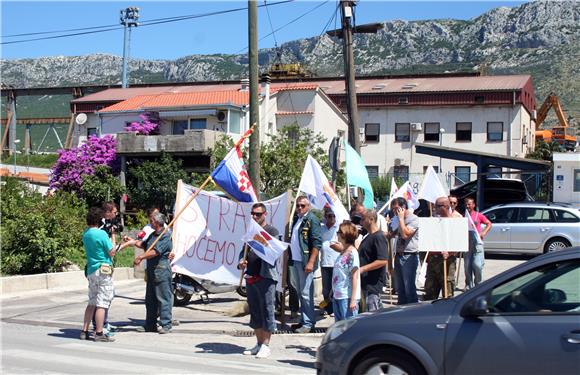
[
  {"x": 435, "y": 281},
  {"x": 259, "y": 265}
]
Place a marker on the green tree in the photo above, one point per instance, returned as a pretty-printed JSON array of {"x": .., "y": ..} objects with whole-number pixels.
[
  {"x": 101, "y": 187},
  {"x": 154, "y": 183},
  {"x": 544, "y": 150},
  {"x": 40, "y": 234}
]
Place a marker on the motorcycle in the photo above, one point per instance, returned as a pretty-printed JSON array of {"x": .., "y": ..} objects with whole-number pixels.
[{"x": 185, "y": 287}]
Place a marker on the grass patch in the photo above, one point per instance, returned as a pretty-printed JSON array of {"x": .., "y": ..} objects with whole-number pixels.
[{"x": 35, "y": 160}]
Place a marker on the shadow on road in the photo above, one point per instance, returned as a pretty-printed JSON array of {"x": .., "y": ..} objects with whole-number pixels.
[
  {"x": 295, "y": 362},
  {"x": 303, "y": 349},
  {"x": 219, "y": 348},
  {"x": 67, "y": 333}
]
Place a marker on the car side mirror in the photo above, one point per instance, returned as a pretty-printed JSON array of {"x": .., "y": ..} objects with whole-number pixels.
[
  {"x": 554, "y": 296},
  {"x": 475, "y": 308}
]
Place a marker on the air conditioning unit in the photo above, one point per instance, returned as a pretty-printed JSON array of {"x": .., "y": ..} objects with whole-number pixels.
[
  {"x": 416, "y": 126},
  {"x": 222, "y": 116}
]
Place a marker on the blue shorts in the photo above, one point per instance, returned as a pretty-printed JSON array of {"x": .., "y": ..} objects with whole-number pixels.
[{"x": 261, "y": 299}]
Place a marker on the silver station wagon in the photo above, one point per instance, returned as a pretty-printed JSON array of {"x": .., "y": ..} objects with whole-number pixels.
[{"x": 532, "y": 228}]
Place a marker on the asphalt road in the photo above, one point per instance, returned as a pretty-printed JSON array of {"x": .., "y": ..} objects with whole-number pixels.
[{"x": 40, "y": 335}]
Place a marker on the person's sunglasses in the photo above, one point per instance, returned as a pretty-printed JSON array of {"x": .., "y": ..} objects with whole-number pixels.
[
  {"x": 300, "y": 205},
  {"x": 257, "y": 214}
]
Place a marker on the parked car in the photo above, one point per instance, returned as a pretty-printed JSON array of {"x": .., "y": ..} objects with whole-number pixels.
[
  {"x": 525, "y": 320},
  {"x": 532, "y": 228},
  {"x": 496, "y": 191}
]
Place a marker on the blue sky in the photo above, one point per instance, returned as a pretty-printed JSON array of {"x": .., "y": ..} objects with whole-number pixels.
[{"x": 226, "y": 33}]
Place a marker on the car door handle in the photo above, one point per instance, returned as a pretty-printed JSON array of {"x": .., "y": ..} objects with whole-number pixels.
[
  {"x": 505, "y": 229},
  {"x": 572, "y": 337},
  {"x": 545, "y": 229}
]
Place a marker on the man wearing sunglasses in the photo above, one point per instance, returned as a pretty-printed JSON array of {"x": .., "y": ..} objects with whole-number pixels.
[
  {"x": 453, "y": 201},
  {"x": 261, "y": 279},
  {"x": 305, "y": 244}
]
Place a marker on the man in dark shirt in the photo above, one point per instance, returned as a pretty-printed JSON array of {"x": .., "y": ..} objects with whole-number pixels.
[
  {"x": 261, "y": 279},
  {"x": 158, "y": 295},
  {"x": 373, "y": 261}
]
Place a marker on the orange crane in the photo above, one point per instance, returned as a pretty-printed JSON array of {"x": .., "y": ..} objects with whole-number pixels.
[{"x": 558, "y": 133}]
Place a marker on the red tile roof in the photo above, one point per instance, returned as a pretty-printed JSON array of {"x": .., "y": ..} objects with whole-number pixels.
[{"x": 182, "y": 99}]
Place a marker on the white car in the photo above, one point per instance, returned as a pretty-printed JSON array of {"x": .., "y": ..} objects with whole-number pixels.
[{"x": 532, "y": 228}]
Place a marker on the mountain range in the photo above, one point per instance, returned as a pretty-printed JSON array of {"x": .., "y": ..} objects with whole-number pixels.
[{"x": 540, "y": 38}]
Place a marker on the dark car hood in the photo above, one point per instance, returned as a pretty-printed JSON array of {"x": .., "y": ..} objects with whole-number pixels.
[{"x": 414, "y": 312}]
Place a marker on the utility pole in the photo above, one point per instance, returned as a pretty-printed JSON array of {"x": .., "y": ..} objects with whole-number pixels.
[
  {"x": 254, "y": 162},
  {"x": 128, "y": 18},
  {"x": 348, "y": 28}
]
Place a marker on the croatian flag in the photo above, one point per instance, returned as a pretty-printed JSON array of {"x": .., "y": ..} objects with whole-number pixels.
[
  {"x": 264, "y": 245},
  {"x": 231, "y": 175}
]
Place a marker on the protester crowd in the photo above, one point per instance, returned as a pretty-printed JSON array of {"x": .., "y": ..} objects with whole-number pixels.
[{"x": 357, "y": 258}]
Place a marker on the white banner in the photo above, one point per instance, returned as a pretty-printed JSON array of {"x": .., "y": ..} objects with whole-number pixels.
[
  {"x": 207, "y": 237},
  {"x": 443, "y": 234}
]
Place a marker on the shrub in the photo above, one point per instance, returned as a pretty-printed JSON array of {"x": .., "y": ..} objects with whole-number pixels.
[
  {"x": 101, "y": 187},
  {"x": 40, "y": 234}
]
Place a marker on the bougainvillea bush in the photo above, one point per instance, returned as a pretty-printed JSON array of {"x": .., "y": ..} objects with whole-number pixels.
[
  {"x": 72, "y": 165},
  {"x": 148, "y": 126}
]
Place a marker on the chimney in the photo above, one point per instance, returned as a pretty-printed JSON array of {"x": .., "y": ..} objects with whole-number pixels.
[{"x": 245, "y": 84}]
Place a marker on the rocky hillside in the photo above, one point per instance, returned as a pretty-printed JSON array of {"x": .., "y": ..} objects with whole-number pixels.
[{"x": 540, "y": 38}]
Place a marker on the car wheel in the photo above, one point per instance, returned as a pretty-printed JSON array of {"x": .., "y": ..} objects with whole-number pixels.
[
  {"x": 388, "y": 361},
  {"x": 556, "y": 244}
]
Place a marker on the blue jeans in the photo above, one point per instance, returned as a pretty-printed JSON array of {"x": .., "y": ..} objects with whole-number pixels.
[
  {"x": 341, "y": 310},
  {"x": 158, "y": 296},
  {"x": 303, "y": 284},
  {"x": 327, "y": 287},
  {"x": 474, "y": 261},
  {"x": 405, "y": 275}
]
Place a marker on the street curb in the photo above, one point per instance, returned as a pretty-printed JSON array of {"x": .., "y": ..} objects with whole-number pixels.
[{"x": 57, "y": 280}]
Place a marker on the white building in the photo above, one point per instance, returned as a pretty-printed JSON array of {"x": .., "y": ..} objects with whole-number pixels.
[{"x": 567, "y": 177}]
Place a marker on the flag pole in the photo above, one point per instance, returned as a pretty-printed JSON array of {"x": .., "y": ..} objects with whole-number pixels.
[{"x": 445, "y": 278}]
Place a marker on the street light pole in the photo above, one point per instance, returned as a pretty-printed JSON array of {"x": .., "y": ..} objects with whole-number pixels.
[
  {"x": 441, "y": 132},
  {"x": 16, "y": 141}
]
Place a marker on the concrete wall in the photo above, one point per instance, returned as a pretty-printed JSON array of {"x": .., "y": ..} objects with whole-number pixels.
[{"x": 387, "y": 152}]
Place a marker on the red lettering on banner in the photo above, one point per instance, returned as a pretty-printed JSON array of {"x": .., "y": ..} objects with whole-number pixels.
[
  {"x": 197, "y": 246},
  {"x": 239, "y": 214},
  {"x": 210, "y": 251},
  {"x": 273, "y": 211},
  {"x": 222, "y": 213}
]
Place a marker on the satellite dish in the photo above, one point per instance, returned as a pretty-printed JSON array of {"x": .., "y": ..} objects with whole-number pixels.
[{"x": 81, "y": 118}]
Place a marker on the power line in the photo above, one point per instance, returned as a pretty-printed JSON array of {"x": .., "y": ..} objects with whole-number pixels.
[{"x": 142, "y": 24}]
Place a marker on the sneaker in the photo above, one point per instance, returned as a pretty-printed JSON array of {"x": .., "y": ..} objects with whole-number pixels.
[
  {"x": 252, "y": 351},
  {"x": 146, "y": 329},
  {"x": 264, "y": 351},
  {"x": 164, "y": 330},
  {"x": 84, "y": 335},
  {"x": 103, "y": 338},
  {"x": 303, "y": 329}
]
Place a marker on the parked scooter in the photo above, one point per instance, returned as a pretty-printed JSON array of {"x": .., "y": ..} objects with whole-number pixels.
[{"x": 185, "y": 287}]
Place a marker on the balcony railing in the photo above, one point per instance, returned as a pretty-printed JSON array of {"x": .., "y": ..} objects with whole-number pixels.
[{"x": 193, "y": 141}]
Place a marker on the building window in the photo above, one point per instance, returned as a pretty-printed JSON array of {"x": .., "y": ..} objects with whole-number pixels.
[
  {"x": 435, "y": 167},
  {"x": 495, "y": 131},
  {"x": 402, "y": 132},
  {"x": 462, "y": 175},
  {"x": 432, "y": 132},
  {"x": 576, "y": 180},
  {"x": 92, "y": 131},
  {"x": 373, "y": 171},
  {"x": 197, "y": 123},
  {"x": 463, "y": 132},
  {"x": 402, "y": 172},
  {"x": 494, "y": 172},
  {"x": 372, "y": 132},
  {"x": 179, "y": 126}
]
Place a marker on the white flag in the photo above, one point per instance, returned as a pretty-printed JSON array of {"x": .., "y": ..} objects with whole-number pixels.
[
  {"x": 394, "y": 188},
  {"x": 264, "y": 245},
  {"x": 406, "y": 191},
  {"x": 431, "y": 188},
  {"x": 320, "y": 193}
]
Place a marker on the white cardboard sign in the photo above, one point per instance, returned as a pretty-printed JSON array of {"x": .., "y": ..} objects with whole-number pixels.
[{"x": 443, "y": 234}]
